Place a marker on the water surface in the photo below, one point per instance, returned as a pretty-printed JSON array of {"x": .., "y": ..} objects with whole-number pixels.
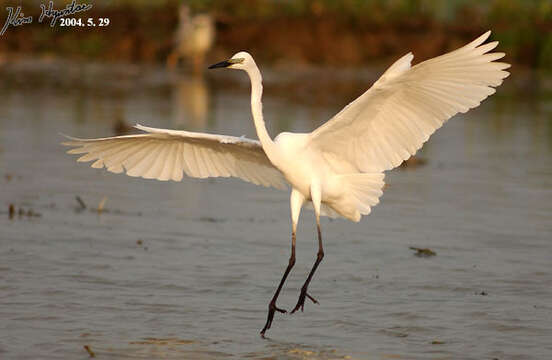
[{"x": 186, "y": 270}]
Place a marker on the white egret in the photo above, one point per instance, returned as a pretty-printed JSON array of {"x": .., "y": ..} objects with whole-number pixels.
[
  {"x": 339, "y": 167},
  {"x": 194, "y": 37}
]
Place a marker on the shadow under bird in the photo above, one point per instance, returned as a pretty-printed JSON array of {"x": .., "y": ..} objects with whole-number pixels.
[{"x": 339, "y": 167}]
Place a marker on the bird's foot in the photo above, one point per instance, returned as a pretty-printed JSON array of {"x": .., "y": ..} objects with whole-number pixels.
[
  {"x": 272, "y": 308},
  {"x": 301, "y": 302}
]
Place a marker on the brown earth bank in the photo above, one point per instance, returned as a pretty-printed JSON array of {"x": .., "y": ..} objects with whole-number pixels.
[{"x": 139, "y": 36}]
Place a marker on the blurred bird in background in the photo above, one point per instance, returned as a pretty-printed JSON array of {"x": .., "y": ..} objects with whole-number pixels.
[{"x": 194, "y": 37}]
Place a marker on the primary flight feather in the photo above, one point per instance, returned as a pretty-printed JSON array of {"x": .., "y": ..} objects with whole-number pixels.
[{"x": 338, "y": 168}]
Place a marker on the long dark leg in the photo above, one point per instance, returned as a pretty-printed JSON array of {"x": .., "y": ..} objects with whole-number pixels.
[
  {"x": 319, "y": 256},
  {"x": 272, "y": 305}
]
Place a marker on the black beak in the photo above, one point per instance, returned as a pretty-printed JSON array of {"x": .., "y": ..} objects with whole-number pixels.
[{"x": 221, "y": 64}]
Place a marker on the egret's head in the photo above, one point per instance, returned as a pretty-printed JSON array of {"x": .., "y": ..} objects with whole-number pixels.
[{"x": 241, "y": 61}]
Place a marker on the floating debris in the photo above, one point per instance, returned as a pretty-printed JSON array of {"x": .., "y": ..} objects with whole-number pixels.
[
  {"x": 21, "y": 212},
  {"x": 89, "y": 351},
  {"x": 81, "y": 202},
  {"x": 423, "y": 252},
  {"x": 483, "y": 293},
  {"x": 139, "y": 242},
  {"x": 101, "y": 208},
  {"x": 101, "y": 205},
  {"x": 413, "y": 162},
  {"x": 437, "y": 342}
]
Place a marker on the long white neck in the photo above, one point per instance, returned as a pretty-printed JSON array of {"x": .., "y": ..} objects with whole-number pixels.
[{"x": 257, "y": 111}]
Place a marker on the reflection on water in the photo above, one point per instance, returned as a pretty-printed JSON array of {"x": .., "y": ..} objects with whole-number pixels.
[
  {"x": 185, "y": 270},
  {"x": 190, "y": 103}
]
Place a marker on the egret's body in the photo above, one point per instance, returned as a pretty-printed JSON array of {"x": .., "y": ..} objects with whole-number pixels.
[
  {"x": 338, "y": 168},
  {"x": 302, "y": 167}
]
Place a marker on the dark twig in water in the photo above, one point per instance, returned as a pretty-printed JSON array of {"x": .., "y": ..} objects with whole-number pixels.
[
  {"x": 11, "y": 211},
  {"x": 81, "y": 202},
  {"x": 423, "y": 252},
  {"x": 21, "y": 212}
]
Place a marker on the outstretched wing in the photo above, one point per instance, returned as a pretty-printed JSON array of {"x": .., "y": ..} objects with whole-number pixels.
[
  {"x": 391, "y": 121},
  {"x": 167, "y": 154}
]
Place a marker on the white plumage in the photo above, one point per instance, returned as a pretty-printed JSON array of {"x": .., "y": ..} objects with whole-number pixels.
[
  {"x": 167, "y": 154},
  {"x": 390, "y": 122},
  {"x": 338, "y": 168}
]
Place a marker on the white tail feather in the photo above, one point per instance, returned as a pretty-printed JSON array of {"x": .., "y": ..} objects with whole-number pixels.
[{"x": 364, "y": 191}]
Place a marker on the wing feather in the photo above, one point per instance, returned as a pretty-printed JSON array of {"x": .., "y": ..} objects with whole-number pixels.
[
  {"x": 135, "y": 158},
  {"x": 190, "y": 161},
  {"x": 169, "y": 164},
  {"x": 391, "y": 121},
  {"x": 117, "y": 158},
  {"x": 157, "y": 160},
  {"x": 168, "y": 161},
  {"x": 208, "y": 157},
  {"x": 200, "y": 163},
  {"x": 222, "y": 164},
  {"x": 178, "y": 168},
  {"x": 167, "y": 154},
  {"x": 146, "y": 162}
]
